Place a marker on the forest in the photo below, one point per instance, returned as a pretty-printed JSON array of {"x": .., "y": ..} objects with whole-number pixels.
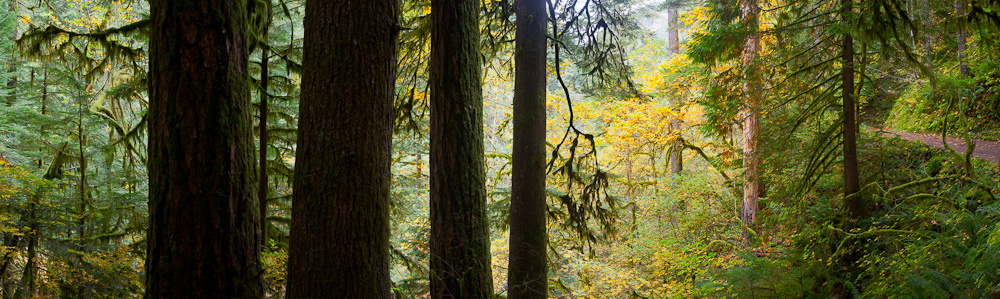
[{"x": 499, "y": 149}]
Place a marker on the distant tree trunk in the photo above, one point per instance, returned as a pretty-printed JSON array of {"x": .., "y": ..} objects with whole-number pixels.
[
  {"x": 855, "y": 205},
  {"x": 673, "y": 46},
  {"x": 963, "y": 65},
  {"x": 34, "y": 229},
  {"x": 30, "y": 272},
  {"x": 460, "y": 235},
  {"x": 82, "y": 184},
  {"x": 28, "y": 280},
  {"x": 45, "y": 101},
  {"x": 673, "y": 30},
  {"x": 204, "y": 230},
  {"x": 676, "y": 156},
  {"x": 750, "y": 12},
  {"x": 11, "y": 83},
  {"x": 10, "y": 241},
  {"x": 340, "y": 213},
  {"x": 11, "y": 67},
  {"x": 527, "y": 277},
  {"x": 926, "y": 15},
  {"x": 909, "y": 7},
  {"x": 262, "y": 163}
]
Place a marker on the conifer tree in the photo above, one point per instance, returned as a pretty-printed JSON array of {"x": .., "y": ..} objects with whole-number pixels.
[
  {"x": 527, "y": 277},
  {"x": 203, "y": 228},
  {"x": 339, "y": 245},
  {"x": 960, "y": 37},
  {"x": 8, "y": 25},
  {"x": 855, "y": 204},
  {"x": 460, "y": 238},
  {"x": 673, "y": 47},
  {"x": 750, "y": 12}
]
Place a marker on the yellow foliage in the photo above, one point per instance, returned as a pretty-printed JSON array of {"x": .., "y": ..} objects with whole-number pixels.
[{"x": 698, "y": 15}]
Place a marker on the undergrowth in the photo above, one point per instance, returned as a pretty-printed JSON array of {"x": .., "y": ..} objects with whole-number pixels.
[
  {"x": 929, "y": 108},
  {"x": 932, "y": 233}
]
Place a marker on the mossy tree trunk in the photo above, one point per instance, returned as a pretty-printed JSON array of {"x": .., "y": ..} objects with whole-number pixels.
[
  {"x": 340, "y": 213},
  {"x": 854, "y": 203},
  {"x": 527, "y": 274},
  {"x": 460, "y": 235},
  {"x": 204, "y": 226}
]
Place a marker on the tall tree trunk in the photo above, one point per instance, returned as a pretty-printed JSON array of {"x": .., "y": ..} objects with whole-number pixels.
[
  {"x": 527, "y": 277},
  {"x": 262, "y": 163},
  {"x": 81, "y": 142},
  {"x": 963, "y": 65},
  {"x": 673, "y": 46},
  {"x": 30, "y": 272},
  {"x": 340, "y": 212},
  {"x": 854, "y": 204},
  {"x": 204, "y": 229},
  {"x": 926, "y": 15},
  {"x": 45, "y": 101},
  {"x": 909, "y": 8},
  {"x": 750, "y": 11},
  {"x": 11, "y": 244},
  {"x": 460, "y": 235},
  {"x": 54, "y": 171},
  {"x": 673, "y": 30},
  {"x": 11, "y": 241},
  {"x": 11, "y": 66}
]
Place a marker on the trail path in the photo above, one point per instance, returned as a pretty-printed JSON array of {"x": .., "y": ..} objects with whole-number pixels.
[{"x": 986, "y": 150}]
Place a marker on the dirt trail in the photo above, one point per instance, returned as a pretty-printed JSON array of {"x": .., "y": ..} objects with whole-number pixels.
[{"x": 986, "y": 150}]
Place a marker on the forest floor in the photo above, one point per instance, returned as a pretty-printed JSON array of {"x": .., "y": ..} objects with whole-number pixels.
[{"x": 986, "y": 150}]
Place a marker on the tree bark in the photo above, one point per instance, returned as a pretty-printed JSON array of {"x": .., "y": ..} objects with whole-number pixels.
[
  {"x": 82, "y": 184},
  {"x": 750, "y": 11},
  {"x": 676, "y": 154},
  {"x": 673, "y": 30},
  {"x": 673, "y": 46},
  {"x": 262, "y": 162},
  {"x": 528, "y": 236},
  {"x": 460, "y": 235},
  {"x": 963, "y": 65},
  {"x": 926, "y": 14},
  {"x": 854, "y": 204},
  {"x": 340, "y": 214},
  {"x": 204, "y": 229},
  {"x": 11, "y": 67}
]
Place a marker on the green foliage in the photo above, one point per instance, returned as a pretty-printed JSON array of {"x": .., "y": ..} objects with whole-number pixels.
[
  {"x": 760, "y": 277},
  {"x": 725, "y": 35},
  {"x": 984, "y": 110},
  {"x": 932, "y": 234},
  {"x": 956, "y": 258},
  {"x": 274, "y": 260},
  {"x": 284, "y": 51},
  {"x": 926, "y": 108}
]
